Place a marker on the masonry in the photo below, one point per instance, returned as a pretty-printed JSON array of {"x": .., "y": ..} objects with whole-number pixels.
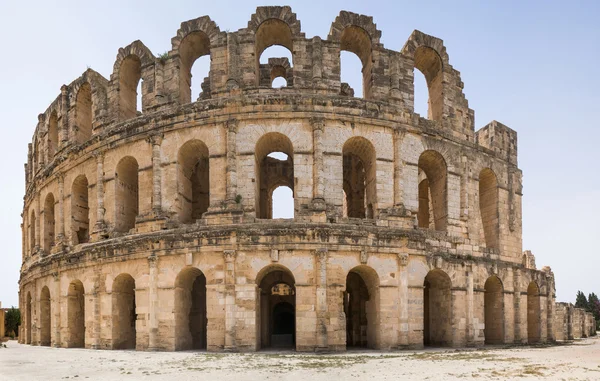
[{"x": 148, "y": 224}]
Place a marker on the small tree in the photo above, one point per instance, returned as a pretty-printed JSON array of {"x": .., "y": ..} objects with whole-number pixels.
[
  {"x": 581, "y": 301},
  {"x": 12, "y": 321},
  {"x": 594, "y": 307}
]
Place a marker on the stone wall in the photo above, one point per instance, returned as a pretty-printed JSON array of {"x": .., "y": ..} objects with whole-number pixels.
[{"x": 149, "y": 226}]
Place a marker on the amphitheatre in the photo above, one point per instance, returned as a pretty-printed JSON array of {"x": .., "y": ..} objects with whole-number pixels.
[{"x": 149, "y": 226}]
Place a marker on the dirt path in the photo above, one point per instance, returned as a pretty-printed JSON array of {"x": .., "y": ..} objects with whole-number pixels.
[{"x": 579, "y": 361}]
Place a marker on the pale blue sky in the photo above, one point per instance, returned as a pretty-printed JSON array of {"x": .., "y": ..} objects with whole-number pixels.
[{"x": 532, "y": 65}]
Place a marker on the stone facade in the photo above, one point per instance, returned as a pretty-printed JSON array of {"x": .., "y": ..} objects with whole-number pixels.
[{"x": 151, "y": 228}]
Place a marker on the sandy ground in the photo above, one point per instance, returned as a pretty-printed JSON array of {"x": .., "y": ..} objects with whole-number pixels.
[{"x": 577, "y": 361}]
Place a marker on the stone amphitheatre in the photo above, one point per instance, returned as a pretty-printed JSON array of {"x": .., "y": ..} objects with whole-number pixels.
[{"x": 149, "y": 226}]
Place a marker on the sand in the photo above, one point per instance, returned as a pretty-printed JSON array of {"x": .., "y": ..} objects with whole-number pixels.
[{"x": 576, "y": 361}]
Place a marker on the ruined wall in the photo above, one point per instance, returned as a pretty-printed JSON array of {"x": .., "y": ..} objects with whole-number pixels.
[{"x": 127, "y": 204}]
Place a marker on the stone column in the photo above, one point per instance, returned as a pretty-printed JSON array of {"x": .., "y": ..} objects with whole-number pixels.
[
  {"x": 153, "y": 303},
  {"x": 550, "y": 310},
  {"x": 56, "y": 310},
  {"x": 63, "y": 130},
  {"x": 96, "y": 326},
  {"x": 317, "y": 61},
  {"x": 156, "y": 141},
  {"x": 60, "y": 236},
  {"x": 232, "y": 125},
  {"x": 517, "y": 305},
  {"x": 322, "y": 307},
  {"x": 397, "y": 168},
  {"x": 230, "y": 318},
  {"x": 470, "y": 305},
  {"x": 38, "y": 224},
  {"x": 318, "y": 126},
  {"x": 403, "y": 300},
  {"x": 100, "y": 223}
]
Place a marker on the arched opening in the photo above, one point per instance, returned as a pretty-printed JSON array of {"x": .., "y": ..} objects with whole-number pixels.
[
  {"x": 282, "y": 199},
  {"x": 130, "y": 75},
  {"x": 84, "y": 113},
  {"x": 28, "y": 320},
  {"x": 32, "y": 232},
  {"x": 76, "y": 315},
  {"x": 359, "y": 178},
  {"x": 356, "y": 40},
  {"x": 361, "y": 307},
  {"x": 123, "y": 313},
  {"x": 273, "y": 40},
  {"x": 433, "y": 191},
  {"x": 191, "y": 322},
  {"x": 428, "y": 62},
  {"x": 49, "y": 223},
  {"x": 277, "y": 314},
  {"x": 488, "y": 206},
  {"x": 437, "y": 309},
  {"x": 278, "y": 82},
  {"x": 533, "y": 313},
  {"x": 494, "y": 311},
  {"x": 45, "y": 317},
  {"x": 421, "y": 94},
  {"x": 52, "y": 135},
  {"x": 194, "y": 46},
  {"x": 126, "y": 194},
  {"x": 274, "y": 168},
  {"x": 193, "y": 181},
  {"x": 80, "y": 212}
]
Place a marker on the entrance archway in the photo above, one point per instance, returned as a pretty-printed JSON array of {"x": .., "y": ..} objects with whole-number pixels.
[
  {"x": 190, "y": 310},
  {"x": 45, "y": 317},
  {"x": 76, "y": 315},
  {"x": 361, "y": 306},
  {"x": 277, "y": 314},
  {"x": 124, "y": 315},
  {"x": 533, "y": 313},
  {"x": 494, "y": 311},
  {"x": 437, "y": 309}
]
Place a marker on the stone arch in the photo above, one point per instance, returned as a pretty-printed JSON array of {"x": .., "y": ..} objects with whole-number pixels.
[
  {"x": 360, "y": 177},
  {"x": 76, "y": 314},
  {"x": 49, "y": 223},
  {"x": 126, "y": 194},
  {"x": 429, "y": 56},
  {"x": 193, "y": 180},
  {"x": 193, "y": 46},
  {"x": 272, "y": 172},
  {"x": 52, "y": 135},
  {"x": 433, "y": 191},
  {"x": 489, "y": 208},
  {"x": 83, "y": 112},
  {"x": 276, "y": 316},
  {"x": 191, "y": 321},
  {"x": 130, "y": 75},
  {"x": 202, "y": 24},
  {"x": 534, "y": 314},
  {"x": 437, "y": 309},
  {"x": 275, "y": 25},
  {"x": 80, "y": 211},
  {"x": 272, "y": 32},
  {"x": 361, "y": 307},
  {"x": 428, "y": 62},
  {"x": 494, "y": 310},
  {"x": 123, "y": 312},
  {"x": 45, "y": 317},
  {"x": 357, "y": 34}
]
